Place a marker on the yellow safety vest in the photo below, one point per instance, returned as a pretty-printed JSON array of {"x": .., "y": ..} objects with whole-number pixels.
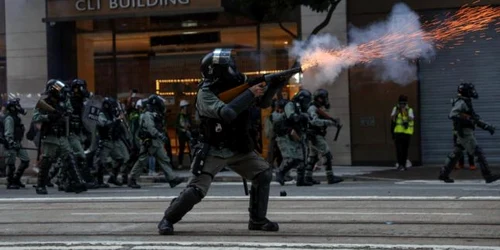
[{"x": 400, "y": 118}]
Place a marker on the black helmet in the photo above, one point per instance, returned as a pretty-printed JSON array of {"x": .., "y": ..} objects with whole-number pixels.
[
  {"x": 281, "y": 103},
  {"x": 303, "y": 98},
  {"x": 55, "y": 88},
  {"x": 467, "y": 90},
  {"x": 156, "y": 104},
  {"x": 14, "y": 107},
  {"x": 323, "y": 95},
  {"x": 110, "y": 106},
  {"x": 220, "y": 66},
  {"x": 79, "y": 88}
]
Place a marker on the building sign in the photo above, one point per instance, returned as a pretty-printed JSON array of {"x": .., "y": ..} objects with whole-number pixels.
[{"x": 81, "y": 9}]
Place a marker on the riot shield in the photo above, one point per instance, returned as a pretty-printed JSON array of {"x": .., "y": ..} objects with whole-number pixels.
[{"x": 89, "y": 118}]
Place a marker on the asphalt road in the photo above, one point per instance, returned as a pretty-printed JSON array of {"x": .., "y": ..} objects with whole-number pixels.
[{"x": 351, "y": 215}]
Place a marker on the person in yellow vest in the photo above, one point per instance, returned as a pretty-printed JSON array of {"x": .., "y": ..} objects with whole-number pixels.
[{"x": 403, "y": 119}]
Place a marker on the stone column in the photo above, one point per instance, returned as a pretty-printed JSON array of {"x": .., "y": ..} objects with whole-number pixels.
[
  {"x": 339, "y": 90},
  {"x": 26, "y": 44}
]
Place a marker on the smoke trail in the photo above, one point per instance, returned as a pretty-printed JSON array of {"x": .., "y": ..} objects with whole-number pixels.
[{"x": 388, "y": 47}]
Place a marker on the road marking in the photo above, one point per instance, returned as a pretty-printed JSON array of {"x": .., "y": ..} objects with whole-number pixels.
[
  {"x": 244, "y": 198},
  {"x": 225, "y": 245},
  {"x": 281, "y": 213},
  {"x": 457, "y": 182}
]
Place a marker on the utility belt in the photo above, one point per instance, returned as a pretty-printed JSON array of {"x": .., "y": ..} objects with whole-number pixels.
[
  {"x": 57, "y": 131},
  {"x": 200, "y": 154}
]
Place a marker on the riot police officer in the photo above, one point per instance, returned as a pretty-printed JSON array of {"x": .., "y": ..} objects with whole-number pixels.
[
  {"x": 13, "y": 136},
  {"x": 77, "y": 95},
  {"x": 465, "y": 121},
  {"x": 52, "y": 112},
  {"x": 291, "y": 130},
  {"x": 111, "y": 130},
  {"x": 152, "y": 134},
  {"x": 316, "y": 137},
  {"x": 225, "y": 141}
]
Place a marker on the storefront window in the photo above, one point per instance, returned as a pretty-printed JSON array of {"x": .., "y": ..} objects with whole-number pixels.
[{"x": 162, "y": 54}]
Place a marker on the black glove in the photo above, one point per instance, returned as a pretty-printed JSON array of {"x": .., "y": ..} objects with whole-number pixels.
[
  {"x": 14, "y": 145},
  {"x": 164, "y": 138},
  {"x": 490, "y": 129}
]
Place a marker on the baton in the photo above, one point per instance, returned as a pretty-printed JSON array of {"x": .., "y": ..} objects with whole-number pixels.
[
  {"x": 338, "y": 131},
  {"x": 245, "y": 186}
]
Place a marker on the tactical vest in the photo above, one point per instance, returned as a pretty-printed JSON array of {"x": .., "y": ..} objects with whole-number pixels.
[
  {"x": 105, "y": 131},
  {"x": 400, "y": 128},
  {"x": 159, "y": 122},
  {"x": 234, "y": 135},
  {"x": 75, "y": 121},
  {"x": 470, "y": 111},
  {"x": 18, "y": 128},
  {"x": 54, "y": 128},
  {"x": 317, "y": 130}
]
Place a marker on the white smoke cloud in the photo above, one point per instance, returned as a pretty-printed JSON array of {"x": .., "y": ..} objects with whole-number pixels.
[{"x": 390, "y": 48}]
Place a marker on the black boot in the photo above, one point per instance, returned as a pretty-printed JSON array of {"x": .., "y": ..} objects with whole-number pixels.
[
  {"x": 43, "y": 175},
  {"x": 332, "y": 179},
  {"x": 100, "y": 178},
  {"x": 492, "y": 178},
  {"x": 259, "y": 198},
  {"x": 286, "y": 165},
  {"x": 176, "y": 181},
  {"x": 19, "y": 173},
  {"x": 483, "y": 165},
  {"x": 124, "y": 179},
  {"x": 132, "y": 183},
  {"x": 165, "y": 227},
  {"x": 450, "y": 162},
  {"x": 113, "y": 180},
  {"x": 313, "y": 181},
  {"x": 11, "y": 184},
  {"x": 301, "y": 180}
]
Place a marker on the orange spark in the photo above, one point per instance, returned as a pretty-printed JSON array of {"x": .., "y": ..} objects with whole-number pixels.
[{"x": 452, "y": 28}]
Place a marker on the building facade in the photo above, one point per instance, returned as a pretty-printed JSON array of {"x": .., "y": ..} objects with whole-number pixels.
[{"x": 155, "y": 46}]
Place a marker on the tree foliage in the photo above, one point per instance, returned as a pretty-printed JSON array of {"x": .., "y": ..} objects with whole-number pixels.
[{"x": 266, "y": 10}]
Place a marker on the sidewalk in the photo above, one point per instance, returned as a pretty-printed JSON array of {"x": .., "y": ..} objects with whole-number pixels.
[{"x": 350, "y": 173}]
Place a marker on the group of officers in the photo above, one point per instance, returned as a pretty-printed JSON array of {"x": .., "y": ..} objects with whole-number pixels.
[
  {"x": 64, "y": 139},
  {"x": 224, "y": 139}
]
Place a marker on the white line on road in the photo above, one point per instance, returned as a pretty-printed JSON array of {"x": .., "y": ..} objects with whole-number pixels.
[
  {"x": 226, "y": 245},
  {"x": 278, "y": 213},
  {"x": 239, "y": 198}
]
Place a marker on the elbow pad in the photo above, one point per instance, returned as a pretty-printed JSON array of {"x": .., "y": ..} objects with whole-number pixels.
[{"x": 239, "y": 104}]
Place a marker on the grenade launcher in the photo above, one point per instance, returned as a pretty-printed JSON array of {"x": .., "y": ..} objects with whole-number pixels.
[{"x": 272, "y": 80}]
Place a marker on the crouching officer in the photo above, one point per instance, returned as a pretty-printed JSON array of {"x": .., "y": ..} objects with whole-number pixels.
[
  {"x": 291, "y": 130},
  {"x": 52, "y": 112},
  {"x": 13, "y": 135},
  {"x": 316, "y": 136},
  {"x": 111, "y": 130},
  {"x": 151, "y": 132},
  {"x": 225, "y": 141},
  {"x": 465, "y": 121}
]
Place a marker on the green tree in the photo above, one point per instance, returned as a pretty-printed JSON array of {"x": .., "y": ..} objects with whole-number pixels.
[{"x": 264, "y": 10}]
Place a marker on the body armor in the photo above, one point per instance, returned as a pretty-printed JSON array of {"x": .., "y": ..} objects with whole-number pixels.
[
  {"x": 18, "y": 128},
  {"x": 234, "y": 136},
  {"x": 54, "y": 128},
  {"x": 105, "y": 132},
  {"x": 75, "y": 122}
]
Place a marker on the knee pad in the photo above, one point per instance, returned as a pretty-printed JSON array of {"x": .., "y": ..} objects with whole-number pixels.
[{"x": 265, "y": 176}]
